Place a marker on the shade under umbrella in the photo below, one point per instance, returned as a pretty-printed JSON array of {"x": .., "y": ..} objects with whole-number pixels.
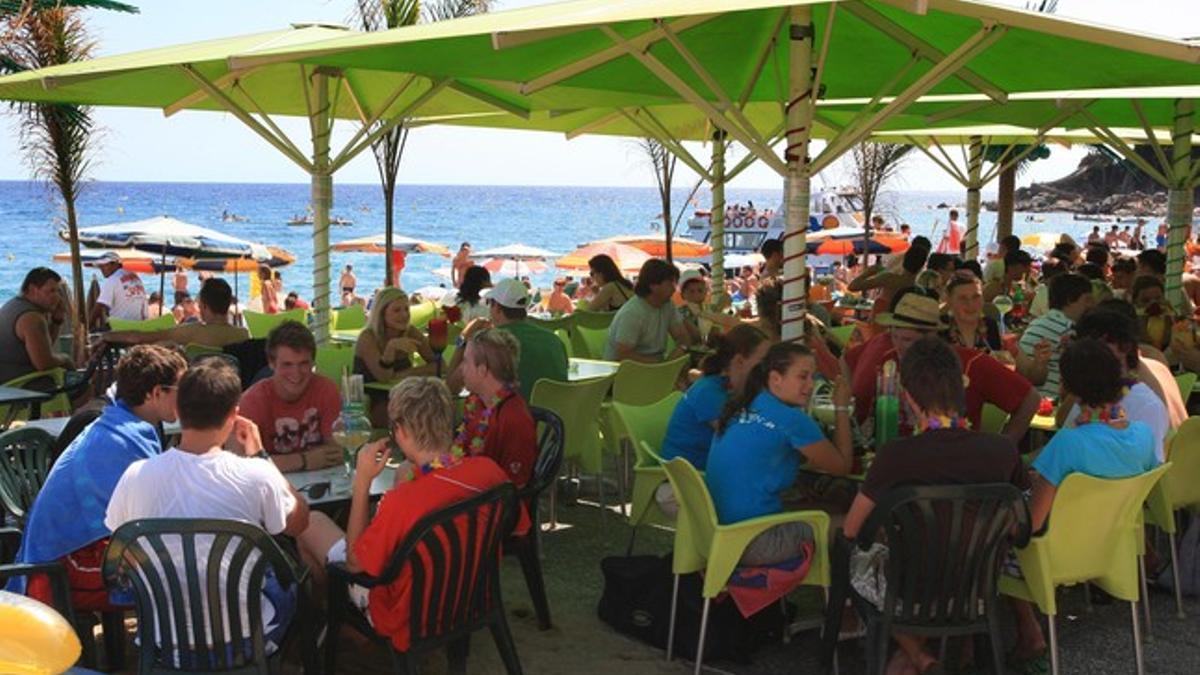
[
  {"x": 513, "y": 268},
  {"x": 657, "y": 246},
  {"x": 377, "y": 243},
  {"x": 514, "y": 252},
  {"x": 627, "y": 258}
]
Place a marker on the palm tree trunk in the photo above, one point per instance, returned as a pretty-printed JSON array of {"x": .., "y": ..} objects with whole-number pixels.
[
  {"x": 81, "y": 314},
  {"x": 389, "y": 213},
  {"x": 1005, "y": 198}
]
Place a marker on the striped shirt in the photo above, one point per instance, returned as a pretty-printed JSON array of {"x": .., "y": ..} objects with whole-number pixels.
[{"x": 1052, "y": 327}]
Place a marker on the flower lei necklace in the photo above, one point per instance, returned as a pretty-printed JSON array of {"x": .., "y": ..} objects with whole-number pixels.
[
  {"x": 476, "y": 419},
  {"x": 443, "y": 461},
  {"x": 934, "y": 422},
  {"x": 1113, "y": 415}
]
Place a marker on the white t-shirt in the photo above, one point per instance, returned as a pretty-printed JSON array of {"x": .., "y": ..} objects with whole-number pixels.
[
  {"x": 1141, "y": 405},
  {"x": 218, "y": 485},
  {"x": 122, "y": 292}
]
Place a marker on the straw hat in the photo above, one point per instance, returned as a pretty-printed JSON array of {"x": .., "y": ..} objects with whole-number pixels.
[{"x": 915, "y": 311}]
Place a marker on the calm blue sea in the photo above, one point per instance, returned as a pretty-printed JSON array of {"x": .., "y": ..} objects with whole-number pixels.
[{"x": 556, "y": 218}]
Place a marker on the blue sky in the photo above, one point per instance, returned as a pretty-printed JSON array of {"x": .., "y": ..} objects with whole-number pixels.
[{"x": 141, "y": 145}]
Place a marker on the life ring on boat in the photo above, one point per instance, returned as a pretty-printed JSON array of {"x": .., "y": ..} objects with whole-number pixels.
[
  {"x": 830, "y": 221},
  {"x": 737, "y": 222},
  {"x": 764, "y": 222}
]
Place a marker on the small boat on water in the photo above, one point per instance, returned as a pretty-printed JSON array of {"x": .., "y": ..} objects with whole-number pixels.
[
  {"x": 1094, "y": 218},
  {"x": 227, "y": 217},
  {"x": 308, "y": 220}
]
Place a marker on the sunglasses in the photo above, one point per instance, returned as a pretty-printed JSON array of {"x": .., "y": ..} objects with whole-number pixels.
[{"x": 315, "y": 490}]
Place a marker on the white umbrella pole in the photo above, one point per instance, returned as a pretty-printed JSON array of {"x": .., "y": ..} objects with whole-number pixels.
[
  {"x": 322, "y": 201},
  {"x": 974, "y": 199},
  {"x": 717, "y": 218},
  {"x": 1180, "y": 199},
  {"x": 796, "y": 184}
]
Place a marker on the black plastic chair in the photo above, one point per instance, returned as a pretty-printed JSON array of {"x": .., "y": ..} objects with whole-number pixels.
[
  {"x": 946, "y": 545},
  {"x": 10, "y": 541},
  {"x": 172, "y": 564},
  {"x": 447, "y": 605},
  {"x": 24, "y": 465},
  {"x": 528, "y": 548}
]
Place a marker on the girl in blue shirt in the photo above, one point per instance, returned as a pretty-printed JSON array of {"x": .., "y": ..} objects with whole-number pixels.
[
  {"x": 762, "y": 436},
  {"x": 690, "y": 431}
]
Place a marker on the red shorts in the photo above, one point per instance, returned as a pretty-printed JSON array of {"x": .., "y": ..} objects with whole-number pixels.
[{"x": 84, "y": 578}]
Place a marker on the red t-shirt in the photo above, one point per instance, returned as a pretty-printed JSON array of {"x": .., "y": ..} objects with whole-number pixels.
[
  {"x": 288, "y": 427},
  {"x": 399, "y": 511},
  {"x": 988, "y": 380},
  {"x": 511, "y": 439}
]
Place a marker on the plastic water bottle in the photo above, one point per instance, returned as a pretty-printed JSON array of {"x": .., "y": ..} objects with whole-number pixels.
[{"x": 887, "y": 405}]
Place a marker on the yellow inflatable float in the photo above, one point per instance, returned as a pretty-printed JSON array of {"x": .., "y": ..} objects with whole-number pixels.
[{"x": 34, "y": 638}]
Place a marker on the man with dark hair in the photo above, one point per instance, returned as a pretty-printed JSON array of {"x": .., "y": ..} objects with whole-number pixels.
[
  {"x": 67, "y": 519},
  {"x": 772, "y": 253},
  {"x": 995, "y": 268},
  {"x": 201, "y": 480},
  {"x": 213, "y": 330},
  {"x": 1070, "y": 296},
  {"x": 1123, "y": 272},
  {"x": 542, "y": 353},
  {"x": 889, "y": 282},
  {"x": 914, "y": 314},
  {"x": 1152, "y": 262},
  {"x": 25, "y": 344},
  {"x": 946, "y": 452},
  {"x": 640, "y": 328},
  {"x": 1016, "y": 267},
  {"x": 952, "y": 242},
  {"x": 295, "y": 407}
]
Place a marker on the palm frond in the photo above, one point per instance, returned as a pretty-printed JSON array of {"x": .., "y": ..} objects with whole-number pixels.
[{"x": 442, "y": 10}]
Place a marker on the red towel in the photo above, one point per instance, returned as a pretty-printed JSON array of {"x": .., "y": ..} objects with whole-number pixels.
[{"x": 753, "y": 588}]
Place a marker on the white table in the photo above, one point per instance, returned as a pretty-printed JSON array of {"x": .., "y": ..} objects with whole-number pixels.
[
  {"x": 584, "y": 369},
  {"x": 339, "y": 483}
]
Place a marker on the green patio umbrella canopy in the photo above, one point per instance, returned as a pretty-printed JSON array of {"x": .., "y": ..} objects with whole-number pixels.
[
  {"x": 617, "y": 57},
  {"x": 723, "y": 58},
  {"x": 198, "y": 76}
]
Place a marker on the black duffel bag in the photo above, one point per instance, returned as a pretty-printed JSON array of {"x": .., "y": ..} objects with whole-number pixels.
[{"x": 637, "y": 602}]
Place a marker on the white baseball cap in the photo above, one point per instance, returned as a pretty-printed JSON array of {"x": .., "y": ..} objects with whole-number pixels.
[
  {"x": 509, "y": 293},
  {"x": 689, "y": 275}
]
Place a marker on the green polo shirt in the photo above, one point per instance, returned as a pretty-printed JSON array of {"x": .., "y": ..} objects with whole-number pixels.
[{"x": 542, "y": 355}]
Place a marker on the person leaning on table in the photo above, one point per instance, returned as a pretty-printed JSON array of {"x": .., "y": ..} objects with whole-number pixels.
[{"x": 640, "y": 328}]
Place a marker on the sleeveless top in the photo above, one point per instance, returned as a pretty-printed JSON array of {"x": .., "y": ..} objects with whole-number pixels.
[
  {"x": 14, "y": 358},
  {"x": 625, "y": 295}
]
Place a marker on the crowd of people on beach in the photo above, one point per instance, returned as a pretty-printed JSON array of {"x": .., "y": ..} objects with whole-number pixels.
[{"x": 1085, "y": 333}]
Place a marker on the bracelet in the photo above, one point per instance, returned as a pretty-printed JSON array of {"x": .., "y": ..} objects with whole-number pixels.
[{"x": 843, "y": 408}]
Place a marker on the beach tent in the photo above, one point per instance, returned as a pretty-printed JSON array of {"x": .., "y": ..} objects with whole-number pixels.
[{"x": 719, "y": 57}]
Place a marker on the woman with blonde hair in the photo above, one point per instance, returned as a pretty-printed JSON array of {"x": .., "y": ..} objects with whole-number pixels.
[{"x": 385, "y": 347}]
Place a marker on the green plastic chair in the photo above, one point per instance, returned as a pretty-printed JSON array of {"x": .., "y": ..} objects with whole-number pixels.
[
  {"x": 24, "y": 465},
  {"x": 260, "y": 324},
  {"x": 1178, "y": 489},
  {"x": 420, "y": 313},
  {"x": 349, "y": 318},
  {"x": 590, "y": 334},
  {"x": 563, "y": 327},
  {"x": 636, "y": 384},
  {"x": 1094, "y": 533},
  {"x": 577, "y": 404},
  {"x": 646, "y": 426},
  {"x": 58, "y": 405},
  {"x": 1187, "y": 384},
  {"x": 841, "y": 335},
  {"x": 148, "y": 326},
  {"x": 993, "y": 419},
  {"x": 701, "y": 543},
  {"x": 332, "y": 361}
]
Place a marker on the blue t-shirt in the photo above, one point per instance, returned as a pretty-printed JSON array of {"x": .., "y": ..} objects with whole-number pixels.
[
  {"x": 690, "y": 431},
  {"x": 1098, "y": 450},
  {"x": 756, "y": 458}
]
